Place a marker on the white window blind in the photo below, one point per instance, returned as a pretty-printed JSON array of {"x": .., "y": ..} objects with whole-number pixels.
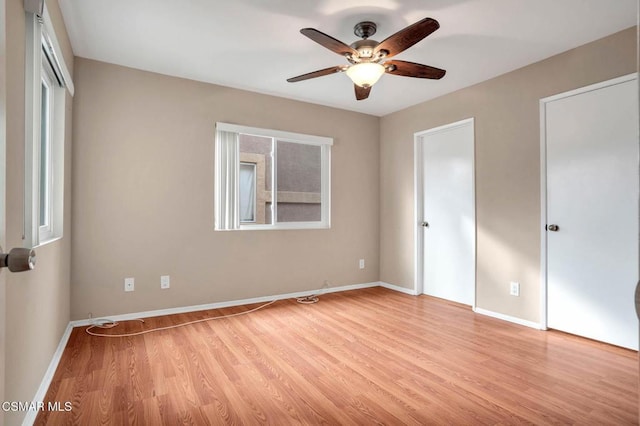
[{"x": 227, "y": 176}]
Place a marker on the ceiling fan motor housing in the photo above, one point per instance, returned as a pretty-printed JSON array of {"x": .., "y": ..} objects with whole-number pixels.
[
  {"x": 365, "y": 29},
  {"x": 365, "y": 48}
]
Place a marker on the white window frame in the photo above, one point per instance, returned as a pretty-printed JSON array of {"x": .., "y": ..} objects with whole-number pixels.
[
  {"x": 324, "y": 143},
  {"x": 43, "y": 65}
]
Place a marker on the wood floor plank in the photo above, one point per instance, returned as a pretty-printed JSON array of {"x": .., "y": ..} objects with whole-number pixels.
[{"x": 370, "y": 356}]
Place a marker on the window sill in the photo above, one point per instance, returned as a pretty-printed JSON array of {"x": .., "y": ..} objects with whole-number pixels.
[
  {"x": 300, "y": 226},
  {"x": 280, "y": 227},
  {"x": 48, "y": 241}
]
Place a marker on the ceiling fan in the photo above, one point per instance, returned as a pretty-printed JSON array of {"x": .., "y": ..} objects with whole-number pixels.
[{"x": 368, "y": 59}]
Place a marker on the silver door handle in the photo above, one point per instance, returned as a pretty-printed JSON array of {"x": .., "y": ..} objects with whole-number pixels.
[
  {"x": 18, "y": 259},
  {"x": 638, "y": 300},
  {"x": 425, "y": 224},
  {"x": 553, "y": 228}
]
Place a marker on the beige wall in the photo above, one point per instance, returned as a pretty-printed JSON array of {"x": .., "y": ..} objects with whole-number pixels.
[
  {"x": 143, "y": 177},
  {"x": 143, "y": 196},
  {"x": 37, "y": 302},
  {"x": 507, "y": 137}
]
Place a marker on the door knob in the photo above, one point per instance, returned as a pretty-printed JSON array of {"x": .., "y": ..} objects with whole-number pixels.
[
  {"x": 18, "y": 259},
  {"x": 425, "y": 224},
  {"x": 553, "y": 228},
  {"x": 638, "y": 300}
]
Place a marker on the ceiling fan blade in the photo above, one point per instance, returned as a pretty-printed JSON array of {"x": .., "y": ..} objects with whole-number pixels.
[
  {"x": 329, "y": 42},
  {"x": 407, "y": 37},
  {"x": 411, "y": 69},
  {"x": 315, "y": 74},
  {"x": 362, "y": 92}
]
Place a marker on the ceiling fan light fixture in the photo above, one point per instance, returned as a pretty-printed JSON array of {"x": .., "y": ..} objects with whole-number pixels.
[{"x": 365, "y": 74}]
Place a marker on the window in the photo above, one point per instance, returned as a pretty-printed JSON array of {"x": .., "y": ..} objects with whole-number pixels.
[
  {"x": 46, "y": 80},
  {"x": 268, "y": 179},
  {"x": 45, "y": 169}
]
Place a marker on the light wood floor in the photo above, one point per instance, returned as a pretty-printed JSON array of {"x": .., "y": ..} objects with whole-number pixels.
[{"x": 370, "y": 356}]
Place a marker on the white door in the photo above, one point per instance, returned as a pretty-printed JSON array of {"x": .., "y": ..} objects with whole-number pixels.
[
  {"x": 592, "y": 198},
  {"x": 448, "y": 212}
]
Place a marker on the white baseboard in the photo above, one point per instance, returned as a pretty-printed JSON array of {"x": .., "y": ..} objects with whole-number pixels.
[
  {"x": 218, "y": 305},
  {"x": 394, "y": 287},
  {"x": 30, "y": 417},
  {"x": 504, "y": 317}
]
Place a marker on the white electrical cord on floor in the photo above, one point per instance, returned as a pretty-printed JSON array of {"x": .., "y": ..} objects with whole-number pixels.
[
  {"x": 307, "y": 300},
  {"x": 106, "y": 324}
]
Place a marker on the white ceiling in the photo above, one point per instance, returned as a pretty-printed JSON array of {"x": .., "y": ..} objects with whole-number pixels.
[{"x": 256, "y": 44}]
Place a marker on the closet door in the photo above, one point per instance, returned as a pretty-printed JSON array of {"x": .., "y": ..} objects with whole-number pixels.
[
  {"x": 592, "y": 212},
  {"x": 449, "y": 212}
]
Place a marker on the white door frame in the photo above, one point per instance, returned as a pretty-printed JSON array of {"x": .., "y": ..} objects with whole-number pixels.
[
  {"x": 418, "y": 197},
  {"x": 543, "y": 181},
  {"x": 3, "y": 198}
]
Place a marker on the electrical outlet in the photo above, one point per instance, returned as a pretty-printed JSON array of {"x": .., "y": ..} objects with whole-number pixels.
[
  {"x": 361, "y": 263},
  {"x": 165, "y": 281},
  {"x": 514, "y": 289},
  {"x": 129, "y": 284}
]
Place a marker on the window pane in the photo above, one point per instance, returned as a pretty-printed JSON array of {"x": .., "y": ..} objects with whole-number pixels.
[
  {"x": 256, "y": 152},
  {"x": 299, "y": 181},
  {"x": 44, "y": 157},
  {"x": 247, "y": 192}
]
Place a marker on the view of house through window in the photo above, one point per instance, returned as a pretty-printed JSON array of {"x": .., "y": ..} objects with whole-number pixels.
[
  {"x": 298, "y": 182},
  {"x": 255, "y": 152},
  {"x": 247, "y": 192},
  {"x": 297, "y": 177}
]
